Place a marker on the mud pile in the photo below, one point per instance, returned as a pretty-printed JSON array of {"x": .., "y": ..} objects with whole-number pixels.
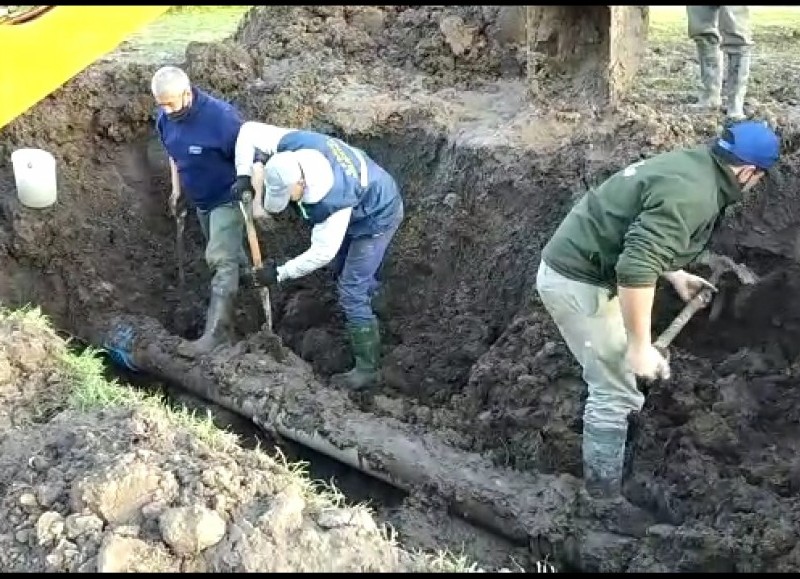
[
  {"x": 131, "y": 488},
  {"x": 470, "y": 355},
  {"x": 451, "y": 44}
]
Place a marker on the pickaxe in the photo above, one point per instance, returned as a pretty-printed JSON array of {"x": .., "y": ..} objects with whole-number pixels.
[{"x": 719, "y": 265}]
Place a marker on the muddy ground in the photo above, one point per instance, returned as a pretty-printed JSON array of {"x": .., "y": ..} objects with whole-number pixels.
[
  {"x": 121, "y": 487},
  {"x": 435, "y": 95}
]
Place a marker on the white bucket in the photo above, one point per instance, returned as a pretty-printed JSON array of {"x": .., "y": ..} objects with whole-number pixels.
[{"x": 35, "y": 174}]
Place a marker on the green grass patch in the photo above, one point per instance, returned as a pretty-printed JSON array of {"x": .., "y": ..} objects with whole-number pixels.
[
  {"x": 91, "y": 390},
  {"x": 669, "y": 23},
  {"x": 166, "y": 37}
]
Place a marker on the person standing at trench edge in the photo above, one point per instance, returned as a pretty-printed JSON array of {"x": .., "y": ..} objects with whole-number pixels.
[
  {"x": 598, "y": 273},
  {"x": 355, "y": 208},
  {"x": 199, "y": 134},
  {"x": 732, "y": 23}
]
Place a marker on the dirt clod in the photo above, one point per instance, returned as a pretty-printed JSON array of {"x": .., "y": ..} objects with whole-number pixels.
[
  {"x": 49, "y": 527},
  {"x": 119, "y": 496},
  {"x": 191, "y": 530},
  {"x": 82, "y": 525},
  {"x": 285, "y": 514},
  {"x": 120, "y": 554}
]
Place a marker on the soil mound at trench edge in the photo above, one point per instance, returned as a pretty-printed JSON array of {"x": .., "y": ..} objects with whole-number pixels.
[{"x": 94, "y": 478}]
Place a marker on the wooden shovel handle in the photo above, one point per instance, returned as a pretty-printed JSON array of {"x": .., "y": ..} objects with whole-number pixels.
[{"x": 252, "y": 238}]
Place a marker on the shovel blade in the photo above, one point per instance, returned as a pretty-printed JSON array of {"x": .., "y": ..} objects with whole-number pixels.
[{"x": 263, "y": 293}]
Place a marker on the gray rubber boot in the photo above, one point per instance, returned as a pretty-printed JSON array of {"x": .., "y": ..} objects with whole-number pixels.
[
  {"x": 603, "y": 461},
  {"x": 710, "y": 59},
  {"x": 219, "y": 322},
  {"x": 736, "y": 84}
]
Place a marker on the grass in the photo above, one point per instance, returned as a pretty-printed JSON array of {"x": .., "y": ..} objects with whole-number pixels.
[
  {"x": 668, "y": 23},
  {"x": 165, "y": 39},
  {"x": 670, "y": 70},
  {"x": 92, "y": 390}
]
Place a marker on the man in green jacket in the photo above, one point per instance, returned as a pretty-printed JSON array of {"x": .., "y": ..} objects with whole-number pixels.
[{"x": 598, "y": 273}]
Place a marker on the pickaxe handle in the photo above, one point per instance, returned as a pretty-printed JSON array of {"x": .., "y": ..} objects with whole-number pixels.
[
  {"x": 694, "y": 305},
  {"x": 180, "y": 225},
  {"x": 698, "y": 302}
]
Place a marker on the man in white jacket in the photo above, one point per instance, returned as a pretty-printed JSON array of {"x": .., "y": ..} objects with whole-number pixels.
[{"x": 355, "y": 208}]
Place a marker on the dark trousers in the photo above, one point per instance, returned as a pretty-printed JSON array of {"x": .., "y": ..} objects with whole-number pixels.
[{"x": 356, "y": 268}]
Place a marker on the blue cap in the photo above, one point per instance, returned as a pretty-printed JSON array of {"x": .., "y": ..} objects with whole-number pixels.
[{"x": 752, "y": 142}]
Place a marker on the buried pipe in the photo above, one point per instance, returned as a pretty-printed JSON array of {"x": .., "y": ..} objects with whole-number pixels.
[
  {"x": 283, "y": 397},
  {"x": 120, "y": 343}
]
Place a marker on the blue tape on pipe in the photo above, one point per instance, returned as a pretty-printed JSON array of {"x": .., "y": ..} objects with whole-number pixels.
[{"x": 118, "y": 347}]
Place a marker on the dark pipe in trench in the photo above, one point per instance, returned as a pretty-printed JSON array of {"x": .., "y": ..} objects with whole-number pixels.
[
  {"x": 521, "y": 507},
  {"x": 356, "y": 486}
]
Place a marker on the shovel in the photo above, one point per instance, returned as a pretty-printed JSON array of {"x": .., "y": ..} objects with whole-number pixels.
[
  {"x": 180, "y": 225},
  {"x": 255, "y": 252}
]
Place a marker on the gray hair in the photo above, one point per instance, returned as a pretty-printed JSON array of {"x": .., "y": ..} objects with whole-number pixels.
[{"x": 169, "y": 80}]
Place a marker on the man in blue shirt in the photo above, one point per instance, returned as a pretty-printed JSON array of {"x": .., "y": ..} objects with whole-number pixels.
[
  {"x": 355, "y": 208},
  {"x": 199, "y": 133}
]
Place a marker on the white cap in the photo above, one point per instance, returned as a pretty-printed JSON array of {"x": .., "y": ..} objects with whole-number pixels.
[{"x": 280, "y": 173}]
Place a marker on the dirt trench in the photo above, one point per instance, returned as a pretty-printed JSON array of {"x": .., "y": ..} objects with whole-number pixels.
[{"x": 469, "y": 353}]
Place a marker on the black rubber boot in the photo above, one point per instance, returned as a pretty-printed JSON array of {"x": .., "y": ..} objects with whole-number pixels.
[
  {"x": 219, "y": 322},
  {"x": 365, "y": 341}
]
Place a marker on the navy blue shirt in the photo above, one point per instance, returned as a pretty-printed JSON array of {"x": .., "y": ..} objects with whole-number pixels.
[{"x": 202, "y": 144}]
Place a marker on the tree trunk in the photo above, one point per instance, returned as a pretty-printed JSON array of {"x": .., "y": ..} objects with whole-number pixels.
[{"x": 591, "y": 53}]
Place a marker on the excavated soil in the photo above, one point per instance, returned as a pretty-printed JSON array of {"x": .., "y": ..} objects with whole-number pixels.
[
  {"x": 126, "y": 488},
  {"x": 435, "y": 95}
]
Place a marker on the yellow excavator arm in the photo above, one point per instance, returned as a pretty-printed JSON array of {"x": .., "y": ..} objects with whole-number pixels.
[{"x": 48, "y": 45}]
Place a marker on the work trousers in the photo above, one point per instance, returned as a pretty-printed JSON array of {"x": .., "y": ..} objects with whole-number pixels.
[
  {"x": 590, "y": 321},
  {"x": 730, "y": 24},
  {"x": 356, "y": 268},
  {"x": 223, "y": 229}
]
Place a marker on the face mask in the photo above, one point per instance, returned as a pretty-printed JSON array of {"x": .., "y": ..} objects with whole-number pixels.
[
  {"x": 181, "y": 113},
  {"x": 178, "y": 115}
]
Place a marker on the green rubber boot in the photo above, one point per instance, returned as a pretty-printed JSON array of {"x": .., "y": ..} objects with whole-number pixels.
[{"x": 365, "y": 340}]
